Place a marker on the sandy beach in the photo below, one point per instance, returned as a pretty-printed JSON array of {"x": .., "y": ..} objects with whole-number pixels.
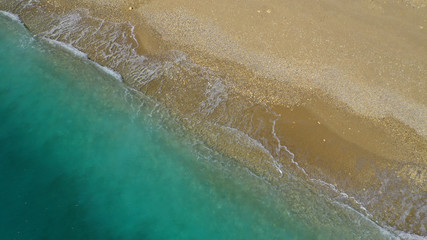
[{"x": 334, "y": 92}]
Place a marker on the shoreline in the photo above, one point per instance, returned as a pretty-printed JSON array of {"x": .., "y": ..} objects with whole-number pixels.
[
  {"x": 355, "y": 146},
  {"x": 337, "y": 65}
]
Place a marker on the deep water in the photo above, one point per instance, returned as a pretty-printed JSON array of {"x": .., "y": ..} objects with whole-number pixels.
[{"x": 83, "y": 157}]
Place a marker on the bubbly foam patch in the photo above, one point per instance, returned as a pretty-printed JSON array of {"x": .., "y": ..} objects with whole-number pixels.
[
  {"x": 11, "y": 16},
  {"x": 109, "y": 71}
]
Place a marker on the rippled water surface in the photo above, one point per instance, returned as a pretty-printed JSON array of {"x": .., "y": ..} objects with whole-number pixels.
[{"x": 83, "y": 157}]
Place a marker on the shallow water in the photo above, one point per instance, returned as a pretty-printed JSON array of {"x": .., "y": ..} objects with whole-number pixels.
[{"x": 82, "y": 157}]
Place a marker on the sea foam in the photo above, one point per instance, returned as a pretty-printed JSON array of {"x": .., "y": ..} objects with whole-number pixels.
[
  {"x": 11, "y": 16},
  {"x": 109, "y": 71},
  {"x": 70, "y": 48},
  {"x": 67, "y": 47}
]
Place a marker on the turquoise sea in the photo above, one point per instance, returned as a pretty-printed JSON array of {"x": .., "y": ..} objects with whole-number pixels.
[{"x": 84, "y": 157}]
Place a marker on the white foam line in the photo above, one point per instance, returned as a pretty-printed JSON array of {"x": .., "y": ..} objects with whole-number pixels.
[
  {"x": 109, "y": 71},
  {"x": 409, "y": 236},
  {"x": 331, "y": 186},
  {"x": 29, "y": 3},
  {"x": 276, "y": 163},
  {"x": 385, "y": 231},
  {"x": 280, "y": 146},
  {"x": 67, "y": 47},
  {"x": 133, "y": 35},
  {"x": 81, "y": 54},
  {"x": 335, "y": 189},
  {"x": 343, "y": 194},
  {"x": 11, "y": 16},
  {"x": 247, "y": 138},
  {"x": 257, "y": 144}
]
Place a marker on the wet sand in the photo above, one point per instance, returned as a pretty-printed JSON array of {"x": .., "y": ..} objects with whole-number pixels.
[{"x": 331, "y": 91}]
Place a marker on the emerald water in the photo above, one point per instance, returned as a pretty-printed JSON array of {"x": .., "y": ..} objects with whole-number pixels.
[{"x": 83, "y": 157}]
